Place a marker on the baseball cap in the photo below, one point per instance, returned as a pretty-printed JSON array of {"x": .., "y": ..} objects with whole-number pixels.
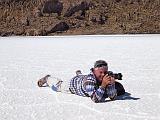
[{"x": 100, "y": 63}]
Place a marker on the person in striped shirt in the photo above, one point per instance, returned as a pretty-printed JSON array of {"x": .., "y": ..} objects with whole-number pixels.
[{"x": 97, "y": 85}]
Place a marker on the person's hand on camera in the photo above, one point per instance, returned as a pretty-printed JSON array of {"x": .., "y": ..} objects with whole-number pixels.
[{"x": 106, "y": 81}]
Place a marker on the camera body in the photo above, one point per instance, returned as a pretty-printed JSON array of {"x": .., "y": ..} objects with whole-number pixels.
[{"x": 117, "y": 76}]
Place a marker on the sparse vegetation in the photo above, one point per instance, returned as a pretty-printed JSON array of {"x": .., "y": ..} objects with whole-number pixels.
[{"x": 31, "y": 17}]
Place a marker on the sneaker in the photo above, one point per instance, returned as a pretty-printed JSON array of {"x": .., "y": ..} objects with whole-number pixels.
[{"x": 43, "y": 81}]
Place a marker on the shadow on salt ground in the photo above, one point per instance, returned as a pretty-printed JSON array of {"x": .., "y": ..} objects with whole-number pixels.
[{"x": 126, "y": 96}]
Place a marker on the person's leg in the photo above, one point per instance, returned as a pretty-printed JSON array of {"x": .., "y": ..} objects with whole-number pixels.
[
  {"x": 64, "y": 88},
  {"x": 49, "y": 81},
  {"x": 58, "y": 85},
  {"x": 54, "y": 83},
  {"x": 120, "y": 89}
]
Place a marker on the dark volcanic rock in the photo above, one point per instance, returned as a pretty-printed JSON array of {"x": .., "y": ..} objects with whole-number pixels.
[
  {"x": 52, "y": 6},
  {"x": 83, "y": 7},
  {"x": 60, "y": 27}
]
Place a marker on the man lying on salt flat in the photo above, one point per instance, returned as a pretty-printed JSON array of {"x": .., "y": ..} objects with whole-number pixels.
[{"x": 98, "y": 85}]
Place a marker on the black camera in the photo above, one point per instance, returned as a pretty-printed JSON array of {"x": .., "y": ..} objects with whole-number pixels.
[{"x": 117, "y": 76}]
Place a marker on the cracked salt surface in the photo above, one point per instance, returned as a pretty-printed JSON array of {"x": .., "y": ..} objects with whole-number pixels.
[{"x": 23, "y": 60}]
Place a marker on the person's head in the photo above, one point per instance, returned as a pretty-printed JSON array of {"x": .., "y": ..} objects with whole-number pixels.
[{"x": 100, "y": 69}]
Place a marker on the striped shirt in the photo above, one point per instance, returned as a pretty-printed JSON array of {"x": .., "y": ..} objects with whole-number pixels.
[{"x": 87, "y": 85}]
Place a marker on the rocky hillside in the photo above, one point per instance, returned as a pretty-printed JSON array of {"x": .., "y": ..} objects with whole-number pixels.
[{"x": 74, "y": 17}]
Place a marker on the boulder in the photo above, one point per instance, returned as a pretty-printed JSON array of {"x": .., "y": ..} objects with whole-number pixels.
[
  {"x": 52, "y": 6},
  {"x": 60, "y": 27},
  {"x": 83, "y": 7}
]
